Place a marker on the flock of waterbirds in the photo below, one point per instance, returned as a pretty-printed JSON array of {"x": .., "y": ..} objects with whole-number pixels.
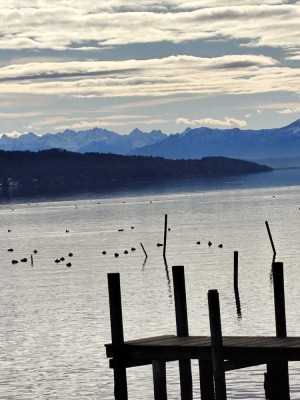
[
  {"x": 63, "y": 259},
  {"x": 116, "y": 254}
]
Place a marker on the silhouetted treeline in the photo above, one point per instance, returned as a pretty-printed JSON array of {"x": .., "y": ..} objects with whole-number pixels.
[{"x": 61, "y": 167}]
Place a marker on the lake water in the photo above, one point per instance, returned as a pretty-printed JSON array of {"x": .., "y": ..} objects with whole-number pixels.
[{"x": 54, "y": 320}]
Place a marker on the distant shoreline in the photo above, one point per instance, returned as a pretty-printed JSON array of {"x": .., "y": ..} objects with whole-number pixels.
[
  {"x": 61, "y": 168},
  {"x": 151, "y": 188}
]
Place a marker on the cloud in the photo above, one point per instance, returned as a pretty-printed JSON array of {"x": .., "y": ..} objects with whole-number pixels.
[
  {"x": 168, "y": 76},
  {"x": 85, "y": 25},
  {"x": 12, "y": 134},
  {"x": 73, "y": 69},
  {"x": 109, "y": 122},
  {"x": 289, "y": 110},
  {"x": 227, "y": 122},
  {"x": 14, "y": 115}
]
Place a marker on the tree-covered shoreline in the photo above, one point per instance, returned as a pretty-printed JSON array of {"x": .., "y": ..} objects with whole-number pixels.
[{"x": 61, "y": 167}]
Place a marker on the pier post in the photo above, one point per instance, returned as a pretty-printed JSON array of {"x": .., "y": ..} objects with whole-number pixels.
[
  {"x": 277, "y": 377},
  {"x": 206, "y": 380},
  {"x": 279, "y": 299},
  {"x": 117, "y": 336},
  {"x": 159, "y": 380},
  {"x": 185, "y": 370},
  {"x": 236, "y": 270},
  {"x": 217, "y": 344}
]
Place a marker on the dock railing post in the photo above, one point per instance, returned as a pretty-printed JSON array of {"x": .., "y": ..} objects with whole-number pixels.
[
  {"x": 185, "y": 370},
  {"x": 117, "y": 335},
  {"x": 217, "y": 345}
]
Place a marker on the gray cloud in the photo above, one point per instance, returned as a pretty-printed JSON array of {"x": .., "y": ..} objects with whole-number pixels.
[
  {"x": 167, "y": 76},
  {"x": 60, "y": 25}
]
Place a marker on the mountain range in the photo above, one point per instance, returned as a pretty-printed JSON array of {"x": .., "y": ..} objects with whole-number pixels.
[
  {"x": 265, "y": 144},
  {"x": 245, "y": 144},
  {"x": 94, "y": 140}
]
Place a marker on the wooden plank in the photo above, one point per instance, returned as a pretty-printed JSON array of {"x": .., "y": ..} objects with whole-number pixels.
[
  {"x": 151, "y": 339},
  {"x": 228, "y": 342},
  {"x": 131, "y": 363},
  {"x": 199, "y": 347},
  {"x": 232, "y": 365}
]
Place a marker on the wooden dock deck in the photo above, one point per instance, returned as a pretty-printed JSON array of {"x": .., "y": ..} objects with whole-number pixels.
[
  {"x": 216, "y": 354},
  {"x": 256, "y": 349}
]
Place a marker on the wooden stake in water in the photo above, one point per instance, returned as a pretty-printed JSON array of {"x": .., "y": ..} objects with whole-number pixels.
[
  {"x": 165, "y": 235},
  {"x": 31, "y": 258},
  {"x": 236, "y": 270},
  {"x": 146, "y": 255},
  {"x": 270, "y": 237}
]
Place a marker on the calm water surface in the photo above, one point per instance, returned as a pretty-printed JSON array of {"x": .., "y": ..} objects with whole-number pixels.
[{"x": 54, "y": 320}]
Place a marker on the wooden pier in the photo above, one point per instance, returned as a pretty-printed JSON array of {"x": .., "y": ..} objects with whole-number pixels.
[{"x": 216, "y": 354}]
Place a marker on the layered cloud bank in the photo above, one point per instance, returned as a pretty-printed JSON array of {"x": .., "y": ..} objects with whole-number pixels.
[
  {"x": 232, "y": 74},
  {"x": 85, "y": 25},
  {"x": 77, "y": 63}
]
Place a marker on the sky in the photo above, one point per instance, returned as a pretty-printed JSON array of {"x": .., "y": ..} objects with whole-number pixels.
[{"x": 167, "y": 64}]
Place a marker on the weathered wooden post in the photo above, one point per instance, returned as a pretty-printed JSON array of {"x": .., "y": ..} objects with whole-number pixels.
[
  {"x": 217, "y": 344},
  {"x": 185, "y": 370},
  {"x": 236, "y": 283},
  {"x": 236, "y": 269},
  {"x": 159, "y": 380},
  {"x": 277, "y": 377},
  {"x": 165, "y": 236},
  {"x": 206, "y": 380},
  {"x": 31, "y": 259},
  {"x": 117, "y": 336},
  {"x": 146, "y": 255},
  {"x": 270, "y": 237}
]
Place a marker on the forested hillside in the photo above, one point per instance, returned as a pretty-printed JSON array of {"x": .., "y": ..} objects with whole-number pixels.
[{"x": 61, "y": 167}]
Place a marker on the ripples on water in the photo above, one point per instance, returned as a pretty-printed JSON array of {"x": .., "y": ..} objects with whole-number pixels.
[{"x": 54, "y": 320}]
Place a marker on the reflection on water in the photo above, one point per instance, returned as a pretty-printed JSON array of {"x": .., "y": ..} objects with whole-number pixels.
[
  {"x": 54, "y": 320},
  {"x": 168, "y": 277},
  {"x": 288, "y": 177},
  {"x": 238, "y": 302}
]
